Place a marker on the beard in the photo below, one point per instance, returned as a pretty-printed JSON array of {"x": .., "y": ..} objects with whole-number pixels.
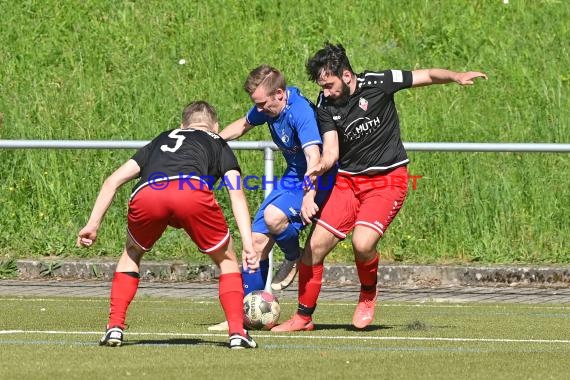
[{"x": 342, "y": 98}]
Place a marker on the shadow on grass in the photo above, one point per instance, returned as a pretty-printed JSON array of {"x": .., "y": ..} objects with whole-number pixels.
[
  {"x": 325, "y": 326},
  {"x": 174, "y": 342}
]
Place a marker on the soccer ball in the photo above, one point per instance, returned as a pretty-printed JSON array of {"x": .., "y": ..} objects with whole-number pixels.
[{"x": 261, "y": 310}]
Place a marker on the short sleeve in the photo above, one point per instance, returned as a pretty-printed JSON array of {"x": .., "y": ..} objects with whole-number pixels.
[
  {"x": 305, "y": 122},
  {"x": 390, "y": 81},
  {"x": 324, "y": 117},
  {"x": 254, "y": 117},
  {"x": 142, "y": 155},
  {"x": 228, "y": 160}
]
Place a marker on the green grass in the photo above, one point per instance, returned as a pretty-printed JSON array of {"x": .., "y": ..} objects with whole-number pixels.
[
  {"x": 167, "y": 338},
  {"x": 109, "y": 70}
]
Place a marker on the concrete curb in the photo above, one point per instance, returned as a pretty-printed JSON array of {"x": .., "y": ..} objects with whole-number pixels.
[{"x": 389, "y": 274}]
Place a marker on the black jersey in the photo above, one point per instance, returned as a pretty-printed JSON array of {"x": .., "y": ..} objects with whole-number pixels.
[
  {"x": 368, "y": 125},
  {"x": 183, "y": 154}
]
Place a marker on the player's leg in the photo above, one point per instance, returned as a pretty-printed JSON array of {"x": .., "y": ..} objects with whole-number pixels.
[
  {"x": 319, "y": 244},
  {"x": 147, "y": 220},
  {"x": 364, "y": 242},
  {"x": 123, "y": 289},
  {"x": 381, "y": 199},
  {"x": 332, "y": 226},
  {"x": 262, "y": 243},
  {"x": 231, "y": 295},
  {"x": 207, "y": 227},
  {"x": 252, "y": 279},
  {"x": 255, "y": 279},
  {"x": 282, "y": 219}
]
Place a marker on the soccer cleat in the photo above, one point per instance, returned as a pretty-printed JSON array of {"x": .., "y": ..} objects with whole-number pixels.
[
  {"x": 297, "y": 323},
  {"x": 113, "y": 337},
  {"x": 238, "y": 342},
  {"x": 222, "y": 326},
  {"x": 285, "y": 274},
  {"x": 364, "y": 313}
]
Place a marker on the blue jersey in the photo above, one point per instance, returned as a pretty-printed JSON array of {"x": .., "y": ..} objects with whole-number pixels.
[{"x": 292, "y": 131}]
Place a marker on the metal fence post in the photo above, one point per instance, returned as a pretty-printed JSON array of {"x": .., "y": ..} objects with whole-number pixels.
[{"x": 269, "y": 160}]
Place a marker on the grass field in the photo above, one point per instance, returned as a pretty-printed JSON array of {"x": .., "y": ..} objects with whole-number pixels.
[
  {"x": 101, "y": 69},
  {"x": 56, "y": 338}
]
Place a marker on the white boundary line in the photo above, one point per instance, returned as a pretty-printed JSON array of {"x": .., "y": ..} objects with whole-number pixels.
[
  {"x": 381, "y": 304},
  {"x": 308, "y": 337}
]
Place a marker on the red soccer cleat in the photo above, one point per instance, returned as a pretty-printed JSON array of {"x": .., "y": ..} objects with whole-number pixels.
[
  {"x": 364, "y": 313},
  {"x": 297, "y": 323}
]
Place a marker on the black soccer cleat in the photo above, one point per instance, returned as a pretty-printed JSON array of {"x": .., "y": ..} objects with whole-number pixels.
[
  {"x": 238, "y": 342},
  {"x": 112, "y": 338}
]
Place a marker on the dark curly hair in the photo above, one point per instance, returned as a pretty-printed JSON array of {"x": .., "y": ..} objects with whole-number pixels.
[{"x": 330, "y": 59}]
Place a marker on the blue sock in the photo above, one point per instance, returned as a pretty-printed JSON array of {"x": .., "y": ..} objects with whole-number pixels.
[
  {"x": 256, "y": 280},
  {"x": 288, "y": 241}
]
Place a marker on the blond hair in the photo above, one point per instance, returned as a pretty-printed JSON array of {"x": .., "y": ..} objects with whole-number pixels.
[
  {"x": 199, "y": 113},
  {"x": 266, "y": 76}
]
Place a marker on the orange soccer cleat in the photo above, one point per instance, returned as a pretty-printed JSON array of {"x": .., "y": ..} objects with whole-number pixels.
[
  {"x": 297, "y": 323},
  {"x": 364, "y": 313}
]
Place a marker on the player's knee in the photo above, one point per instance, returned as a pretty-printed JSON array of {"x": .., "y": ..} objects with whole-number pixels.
[
  {"x": 134, "y": 251},
  {"x": 363, "y": 248},
  {"x": 275, "y": 219},
  {"x": 315, "y": 252}
]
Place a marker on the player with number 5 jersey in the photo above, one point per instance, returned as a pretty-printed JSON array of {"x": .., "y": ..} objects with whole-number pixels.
[{"x": 177, "y": 170}]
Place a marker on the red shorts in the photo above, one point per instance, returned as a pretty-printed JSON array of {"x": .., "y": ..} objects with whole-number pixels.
[
  {"x": 371, "y": 201},
  {"x": 195, "y": 210}
]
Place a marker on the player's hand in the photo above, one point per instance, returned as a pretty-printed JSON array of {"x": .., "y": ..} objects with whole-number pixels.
[
  {"x": 309, "y": 210},
  {"x": 467, "y": 77},
  {"x": 314, "y": 172},
  {"x": 250, "y": 260},
  {"x": 308, "y": 184},
  {"x": 86, "y": 237}
]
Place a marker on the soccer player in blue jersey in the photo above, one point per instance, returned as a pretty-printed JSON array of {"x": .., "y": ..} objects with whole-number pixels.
[{"x": 292, "y": 122}]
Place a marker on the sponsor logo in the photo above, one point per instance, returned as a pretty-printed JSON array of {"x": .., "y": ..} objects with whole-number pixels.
[{"x": 361, "y": 127}]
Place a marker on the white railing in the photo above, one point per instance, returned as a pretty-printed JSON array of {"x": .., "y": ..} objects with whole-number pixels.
[
  {"x": 261, "y": 145},
  {"x": 268, "y": 147}
]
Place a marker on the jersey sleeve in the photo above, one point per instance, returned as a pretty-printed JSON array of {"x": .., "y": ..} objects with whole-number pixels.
[
  {"x": 254, "y": 117},
  {"x": 390, "y": 81},
  {"x": 324, "y": 117},
  {"x": 228, "y": 160},
  {"x": 142, "y": 155},
  {"x": 305, "y": 123}
]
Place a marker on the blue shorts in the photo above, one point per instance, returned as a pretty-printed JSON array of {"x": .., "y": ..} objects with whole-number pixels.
[{"x": 289, "y": 199}]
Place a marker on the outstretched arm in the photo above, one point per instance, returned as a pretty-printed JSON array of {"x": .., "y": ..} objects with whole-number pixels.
[
  {"x": 236, "y": 129},
  {"x": 125, "y": 173},
  {"x": 242, "y": 217},
  {"x": 426, "y": 77}
]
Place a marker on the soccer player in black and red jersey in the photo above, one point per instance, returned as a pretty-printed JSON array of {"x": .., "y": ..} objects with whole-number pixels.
[
  {"x": 177, "y": 171},
  {"x": 359, "y": 122}
]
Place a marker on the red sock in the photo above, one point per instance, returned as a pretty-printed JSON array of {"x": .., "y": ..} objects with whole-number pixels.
[
  {"x": 310, "y": 282},
  {"x": 123, "y": 290},
  {"x": 368, "y": 275},
  {"x": 231, "y": 298}
]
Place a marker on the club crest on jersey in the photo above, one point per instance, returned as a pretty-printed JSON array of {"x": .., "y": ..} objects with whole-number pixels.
[
  {"x": 285, "y": 139},
  {"x": 363, "y": 103}
]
